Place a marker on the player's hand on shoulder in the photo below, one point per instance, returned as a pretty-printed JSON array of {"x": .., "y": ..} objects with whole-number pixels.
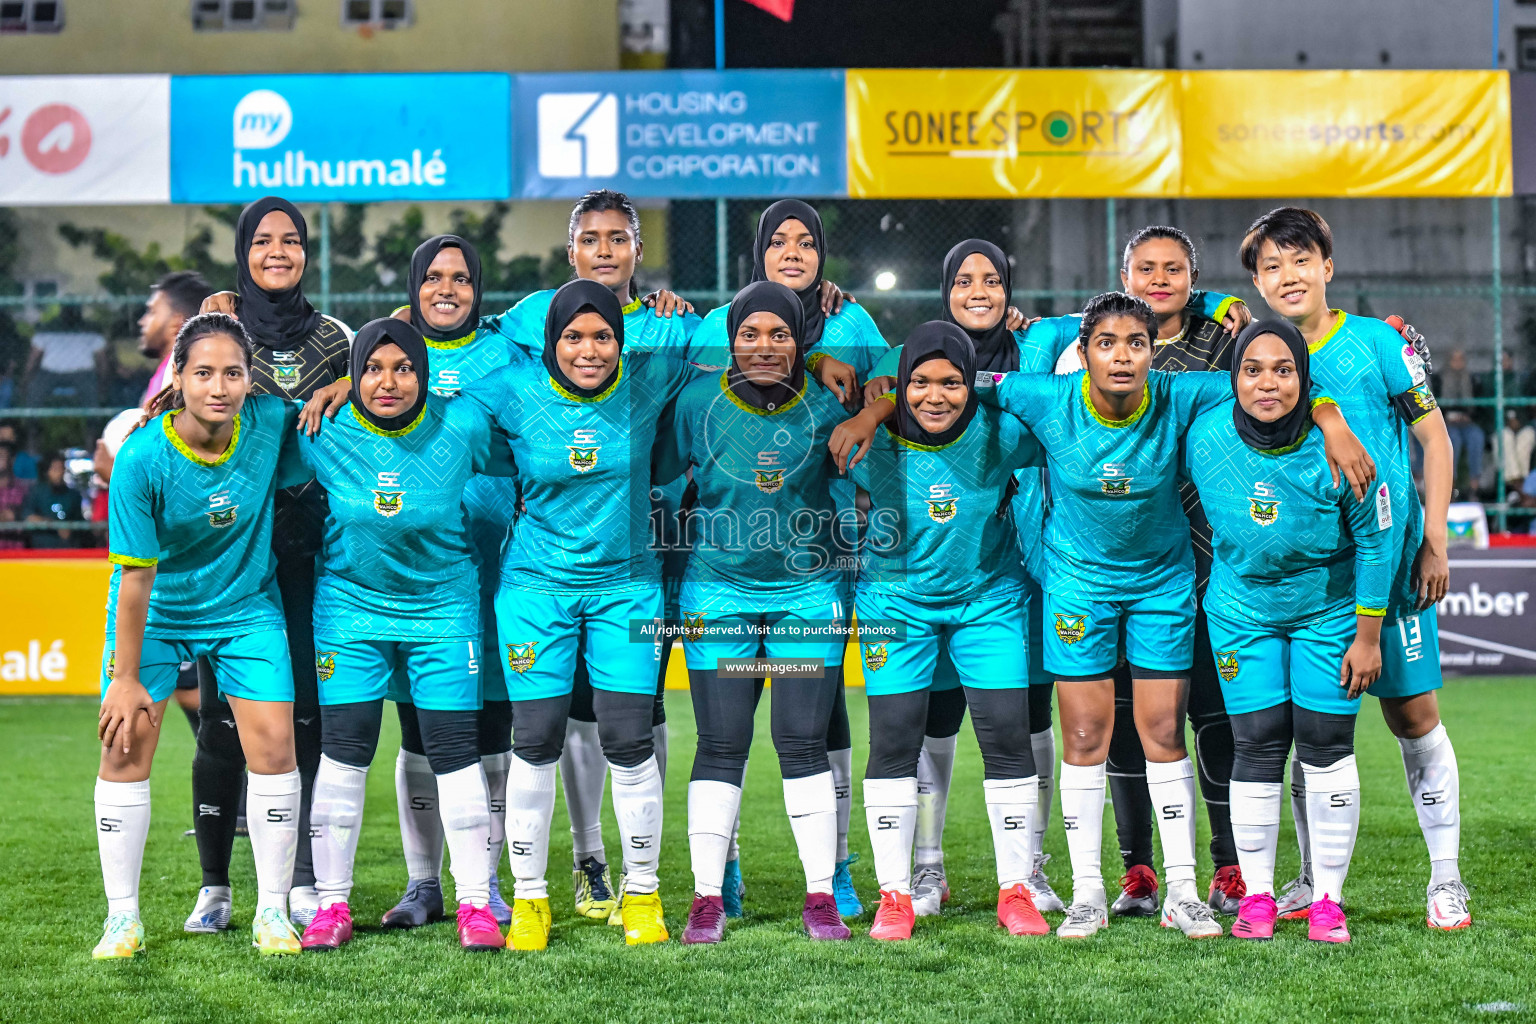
[
  {"x": 222, "y": 302},
  {"x": 665, "y": 302},
  {"x": 833, "y": 297},
  {"x": 324, "y": 404},
  {"x": 1238, "y": 316}
]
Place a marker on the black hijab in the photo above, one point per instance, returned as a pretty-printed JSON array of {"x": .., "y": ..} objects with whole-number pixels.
[
  {"x": 1288, "y": 429},
  {"x": 996, "y": 351},
  {"x": 421, "y": 260},
  {"x": 374, "y": 335},
  {"x": 274, "y": 319},
  {"x": 935, "y": 339},
  {"x": 767, "y": 297},
  {"x": 570, "y": 301},
  {"x": 810, "y": 294}
]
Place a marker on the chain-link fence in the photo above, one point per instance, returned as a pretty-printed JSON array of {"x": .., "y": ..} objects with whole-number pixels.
[{"x": 68, "y": 362}]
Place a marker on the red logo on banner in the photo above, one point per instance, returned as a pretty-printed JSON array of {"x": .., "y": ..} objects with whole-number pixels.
[
  {"x": 56, "y": 138},
  {"x": 781, "y": 9}
]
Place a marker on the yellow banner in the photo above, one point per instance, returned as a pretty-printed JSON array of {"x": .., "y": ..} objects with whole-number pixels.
[
  {"x": 1346, "y": 133},
  {"x": 982, "y": 133},
  {"x": 52, "y": 623}
]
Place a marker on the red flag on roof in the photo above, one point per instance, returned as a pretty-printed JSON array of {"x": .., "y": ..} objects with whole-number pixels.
[{"x": 781, "y": 9}]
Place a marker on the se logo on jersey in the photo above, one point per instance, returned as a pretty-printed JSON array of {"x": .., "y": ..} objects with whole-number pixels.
[
  {"x": 769, "y": 482},
  {"x": 1226, "y": 665},
  {"x": 693, "y": 627},
  {"x": 1263, "y": 512},
  {"x": 875, "y": 656},
  {"x": 520, "y": 657},
  {"x": 388, "y": 503},
  {"x": 325, "y": 664},
  {"x": 1071, "y": 628}
]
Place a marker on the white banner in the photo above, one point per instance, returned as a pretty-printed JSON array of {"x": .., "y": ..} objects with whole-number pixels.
[{"x": 71, "y": 139}]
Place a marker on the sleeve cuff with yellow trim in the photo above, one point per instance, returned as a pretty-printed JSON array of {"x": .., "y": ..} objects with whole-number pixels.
[
  {"x": 814, "y": 360},
  {"x": 1323, "y": 400},
  {"x": 129, "y": 560},
  {"x": 889, "y": 396},
  {"x": 398, "y": 309},
  {"x": 1225, "y": 307},
  {"x": 1375, "y": 613}
]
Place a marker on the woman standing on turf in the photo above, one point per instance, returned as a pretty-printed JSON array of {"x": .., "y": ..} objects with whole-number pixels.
[
  {"x": 1298, "y": 591},
  {"x": 941, "y": 562},
  {"x": 191, "y": 525},
  {"x": 580, "y": 571},
  {"x": 297, "y": 351},
  {"x": 755, "y": 439},
  {"x": 398, "y": 595}
]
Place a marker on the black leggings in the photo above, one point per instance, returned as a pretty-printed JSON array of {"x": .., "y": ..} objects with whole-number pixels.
[
  {"x": 623, "y": 727},
  {"x": 349, "y": 734},
  {"x": 946, "y": 711},
  {"x": 581, "y": 688},
  {"x": 723, "y": 710},
  {"x": 1264, "y": 741},
  {"x": 1000, "y": 718},
  {"x": 493, "y": 723}
]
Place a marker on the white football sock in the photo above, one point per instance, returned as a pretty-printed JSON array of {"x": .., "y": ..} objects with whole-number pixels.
[
  {"x": 1082, "y": 815},
  {"x": 1434, "y": 781},
  {"x": 1333, "y": 809},
  {"x": 1011, "y": 809},
  {"x": 659, "y": 744},
  {"x": 421, "y": 829},
  {"x": 935, "y": 769},
  {"x": 734, "y": 851},
  {"x": 466, "y": 810},
  {"x": 713, "y": 807},
  {"x": 1171, "y": 786},
  {"x": 1256, "y": 832},
  {"x": 1044, "y": 746},
  {"x": 530, "y": 805},
  {"x": 637, "y": 804},
  {"x": 272, "y": 815},
  {"x": 122, "y": 827},
  {"x": 842, "y": 787},
  {"x": 812, "y": 808},
  {"x": 495, "y": 767},
  {"x": 890, "y": 811},
  {"x": 583, "y": 770},
  {"x": 1299, "y": 816},
  {"x": 336, "y": 818}
]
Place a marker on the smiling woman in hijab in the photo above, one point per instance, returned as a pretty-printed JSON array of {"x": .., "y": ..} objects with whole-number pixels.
[
  {"x": 941, "y": 561},
  {"x": 1298, "y": 591},
  {"x": 297, "y": 352},
  {"x": 398, "y": 595},
  {"x": 741, "y": 599},
  {"x": 581, "y": 564}
]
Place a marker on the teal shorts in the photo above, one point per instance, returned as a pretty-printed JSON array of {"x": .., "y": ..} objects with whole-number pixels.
[
  {"x": 722, "y": 622},
  {"x": 986, "y": 640},
  {"x": 1410, "y": 653},
  {"x": 945, "y": 677},
  {"x": 540, "y": 631},
  {"x": 1262, "y": 666},
  {"x": 1083, "y": 636},
  {"x": 439, "y": 675},
  {"x": 251, "y": 667}
]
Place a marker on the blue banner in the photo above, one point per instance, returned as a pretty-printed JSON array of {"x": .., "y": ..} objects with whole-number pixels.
[
  {"x": 682, "y": 134},
  {"x": 354, "y": 138}
]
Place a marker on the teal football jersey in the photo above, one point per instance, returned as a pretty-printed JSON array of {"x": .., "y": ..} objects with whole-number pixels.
[
  {"x": 765, "y": 521},
  {"x": 1289, "y": 545},
  {"x": 205, "y": 526},
  {"x": 937, "y": 531},
  {"x": 397, "y": 563},
  {"x": 584, "y": 466},
  {"x": 851, "y": 336}
]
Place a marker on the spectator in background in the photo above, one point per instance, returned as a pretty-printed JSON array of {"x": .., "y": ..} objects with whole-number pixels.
[
  {"x": 52, "y": 500},
  {"x": 67, "y": 362},
  {"x": 13, "y": 496},
  {"x": 24, "y": 464},
  {"x": 1453, "y": 384}
]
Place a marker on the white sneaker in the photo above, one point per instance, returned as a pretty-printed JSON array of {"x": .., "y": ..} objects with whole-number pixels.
[
  {"x": 1083, "y": 920},
  {"x": 930, "y": 890},
  {"x": 1448, "y": 907},
  {"x": 1039, "y": 886},
  {"x": 1190, "y": 915},
  {"x": 1295, "y": 899},
  {"x": 211, "y": 914},
  {"x": 303, "y": 905}
]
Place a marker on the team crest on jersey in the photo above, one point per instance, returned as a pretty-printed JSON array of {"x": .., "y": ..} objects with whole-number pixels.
[
  {"x": 1263, "y": 512},
  {"x": 111, "y": 663},
  {"x": 1071, "y": 628},
  {"x": 693, "y": 627},
  {"x": 941, "y": 511},
  {"x": 769, "y": 481},
  {"x": 286, "y": 368},
  {"x": 520, "y": 657},
  {"x": 875, "y": 656},
  {"x": 1115, "y": 486},
  {"x": 325, "y": 664},
  {"x": 220, "y": 518},
  {"x": 1226, "y": 665},
  {"x": 388, "y": 503},
  {"x": 582, "y": 459}
]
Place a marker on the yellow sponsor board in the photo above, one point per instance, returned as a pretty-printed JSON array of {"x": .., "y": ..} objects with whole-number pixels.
[
  {"x": 977, "y": 133},
  {"x": 1346, "y": 133},
  {"x": 52, "y": 622}
]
